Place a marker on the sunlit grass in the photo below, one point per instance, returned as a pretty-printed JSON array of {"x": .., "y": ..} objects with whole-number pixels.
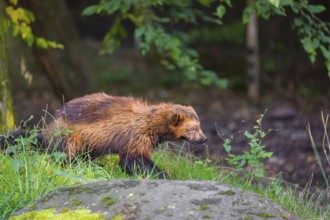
[
  {"x": 185, "y": 167},
  {"x": 27, "y": 175}
]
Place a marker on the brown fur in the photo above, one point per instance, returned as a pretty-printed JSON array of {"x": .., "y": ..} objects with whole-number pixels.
[{"x": 101, "y": 124}]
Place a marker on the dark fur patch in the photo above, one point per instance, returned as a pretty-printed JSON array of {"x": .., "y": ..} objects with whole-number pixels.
[
  {"x": 141, "y": 165},
  {"x": 88, "y": 110}
]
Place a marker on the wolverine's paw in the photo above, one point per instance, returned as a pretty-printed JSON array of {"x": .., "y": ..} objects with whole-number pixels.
[{"x": 139, "y": 165}]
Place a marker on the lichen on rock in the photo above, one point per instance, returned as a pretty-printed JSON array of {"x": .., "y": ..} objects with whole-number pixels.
[
  {"x": 154, "y": 199},
  {"x": 78, "y": 214}
]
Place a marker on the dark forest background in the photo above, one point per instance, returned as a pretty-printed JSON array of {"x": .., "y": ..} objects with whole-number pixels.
[{"x": 292, "y": 89}]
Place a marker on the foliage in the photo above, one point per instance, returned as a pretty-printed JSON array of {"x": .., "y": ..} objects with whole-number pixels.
[
  {"x": 314, "y": 33},
  {"x": 251, "y": 160},
  {"x": 20, "y": 22},
  {"x": 153, "y": 20},
  {"x": 230, "y": 33},
  {"x": 325, "y": 148},
  {"x": 159, "y": 26}
]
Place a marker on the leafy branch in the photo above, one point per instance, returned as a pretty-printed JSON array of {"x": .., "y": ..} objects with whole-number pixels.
[
  {"x": 152, "y": 31},
  {"x": 20, "y": 20},
  {"x": 153, "y": 21},
  {"x": 313, "y": 32}
]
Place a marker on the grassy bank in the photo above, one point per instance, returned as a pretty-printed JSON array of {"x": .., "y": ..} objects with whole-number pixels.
[{"x": 27, "y": 175}]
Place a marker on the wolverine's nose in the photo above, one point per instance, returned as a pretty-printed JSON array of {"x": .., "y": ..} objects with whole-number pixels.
[{"x": 203, "y": 140}]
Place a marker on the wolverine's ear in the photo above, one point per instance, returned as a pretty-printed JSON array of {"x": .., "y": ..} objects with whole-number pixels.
[{"x": 177, "y": 119}]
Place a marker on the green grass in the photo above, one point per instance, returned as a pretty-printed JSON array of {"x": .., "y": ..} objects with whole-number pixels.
[
  {"x": 28, "y": 175},
  {"x": 325, "y": 148}
]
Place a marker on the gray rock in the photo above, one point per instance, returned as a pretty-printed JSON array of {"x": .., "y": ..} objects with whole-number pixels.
[{"x": 160, "y": 199}]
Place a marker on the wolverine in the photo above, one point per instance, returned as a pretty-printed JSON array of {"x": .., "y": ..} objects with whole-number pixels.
[{"x": 101, "y": 124}]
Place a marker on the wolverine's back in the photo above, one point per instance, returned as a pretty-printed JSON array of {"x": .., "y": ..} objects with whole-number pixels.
[{"x": 99, "y": 122}]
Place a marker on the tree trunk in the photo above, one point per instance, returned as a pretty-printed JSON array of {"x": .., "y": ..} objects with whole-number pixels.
[
  {"x": 253, "y": 62},
  {"x": 7, "y": 120},
  {"x": 68, "y": 70}
]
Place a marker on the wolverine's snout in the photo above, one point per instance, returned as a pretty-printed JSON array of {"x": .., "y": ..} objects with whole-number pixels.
[
  {"x": 202, "y": 140},
  {"x": 197, "y": 139}
]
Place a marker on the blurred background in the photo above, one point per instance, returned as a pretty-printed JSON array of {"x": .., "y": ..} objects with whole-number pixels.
[{"x": 291, "y": 91}]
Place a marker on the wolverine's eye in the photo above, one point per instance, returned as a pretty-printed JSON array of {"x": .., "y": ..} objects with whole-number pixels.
[{"x": 193, "y": 129}]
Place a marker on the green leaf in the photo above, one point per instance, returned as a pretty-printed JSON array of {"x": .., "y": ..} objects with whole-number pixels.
[
  {"x": 227, "y": 146},
  {"x": 325, "y": 52},
  {"x": 315, "y": 43},
  {"x": 326, "y": 55},
  {"x": 298, "y": 22},
  {"x": 14, "y": 2},
  {"x": 29, "y": 15},
  {"x": 276, "y": 3},
  {"x": 207, "y": 77},
  {"x": 29, "y": 39},
  {"x": 248, "y": 11},
  {"x": 221, "y": 10},
  {"x": 316, "y": 9},
  {"x": 267, "y": 154},
  {"x": 42, "y": 43},
  {"x": 259, "y": 173},
  {"x": 126, "y": 5},
  {"x": 309, "y": 48},
  {"x": 206, "y": 3},
  {"x": 16, "y": 30},
  {"x": 222, "y": 83},
  {"x": 248, "y": 135},
  {"x": 228, "y": 2},
  {"x": 112, "y": 6},
  {"x": 140, "y": 31},
  {"x": 241, "y": 164},
  {"x": 90, "y": 10},
  {"x": 53, "y": 44}
]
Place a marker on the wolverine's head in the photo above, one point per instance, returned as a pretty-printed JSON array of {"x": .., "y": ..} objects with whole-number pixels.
[{"x": 185, "y": 125}]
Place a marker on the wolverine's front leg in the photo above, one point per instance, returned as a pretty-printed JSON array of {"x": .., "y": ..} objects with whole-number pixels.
[{"x": 141, "y": 165}]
